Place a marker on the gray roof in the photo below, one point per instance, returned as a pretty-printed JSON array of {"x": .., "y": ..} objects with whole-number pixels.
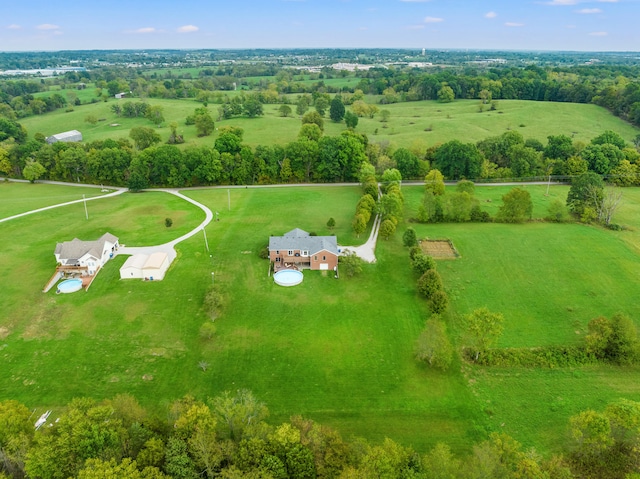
[
  {"x": 301, "y": 240},
  {"x": 76, "y": 249},
  {"x": 73, "y": 135}
]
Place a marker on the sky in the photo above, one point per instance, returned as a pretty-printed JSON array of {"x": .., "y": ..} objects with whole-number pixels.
[{"x": 581, "y": 25}]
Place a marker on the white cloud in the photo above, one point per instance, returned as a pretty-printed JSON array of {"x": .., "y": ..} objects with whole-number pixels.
[
  {"x": 588, "y": 11},
  {"x": 490, "y": 15},
  {"x": 145, "y": 30},
  {"x": 187, "y": 29},
  {"x": 433, "y": 20},
  {"x": 47, "y": 26},
  {"x": 598, "y": 34},
  {"x": 14, "y": 27},
  {"x": 415, "y": 27},
  {"x": 514, "y": 24}
]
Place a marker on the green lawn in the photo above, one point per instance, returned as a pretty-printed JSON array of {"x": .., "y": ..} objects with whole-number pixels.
[
  {"x": 337, "y": 351},
  {"x": 17, "y": 198},
  {"x": 407, "y": 125}
]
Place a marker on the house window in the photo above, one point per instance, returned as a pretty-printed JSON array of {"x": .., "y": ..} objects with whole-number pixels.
[
  {"x": 278, "y": 259},
  {"x": 277, "y": 251},
  {"x": 305, "y": 252},
  {"x": 315, "y": 258},
  {"x": 324, "y": 258},
  {"x": 290, "y": 252}
]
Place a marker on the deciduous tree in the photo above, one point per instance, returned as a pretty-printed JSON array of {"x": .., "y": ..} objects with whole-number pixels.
[
  {"x": 434, "y": 346},
  {"x": 483, "y": 329},
  {"x": 516, "y": 207},
  {"x": 337, "y": 110}
]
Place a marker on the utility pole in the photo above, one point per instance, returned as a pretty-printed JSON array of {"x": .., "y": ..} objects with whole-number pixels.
[
  {"x": 86, "y": 213},
  {"x": 206, "y": 243}
]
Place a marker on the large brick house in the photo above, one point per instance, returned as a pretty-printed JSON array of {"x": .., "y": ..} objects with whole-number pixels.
[{"x": 298, "y": 249}]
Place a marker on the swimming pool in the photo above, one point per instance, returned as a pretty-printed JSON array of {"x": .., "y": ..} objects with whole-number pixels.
[
  {"x": 288, "y": 277},
  {"x": 70, "y": 286}
]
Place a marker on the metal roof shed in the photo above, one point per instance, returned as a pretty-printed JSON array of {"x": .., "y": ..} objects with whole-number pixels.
[{"x": 67, "y": 137}]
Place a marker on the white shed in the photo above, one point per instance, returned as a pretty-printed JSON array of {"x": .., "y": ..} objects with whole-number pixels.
[
  {"x": 67, "y": 137},
  {"x": 132, "y": 268},
  {"x": 156, "y": 266}
]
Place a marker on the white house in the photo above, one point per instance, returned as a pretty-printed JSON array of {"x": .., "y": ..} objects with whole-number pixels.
[
  {"x": 86, "y": 254},
  {"x": 66, "y": 137},
  {"x": 142, "y": 266}
]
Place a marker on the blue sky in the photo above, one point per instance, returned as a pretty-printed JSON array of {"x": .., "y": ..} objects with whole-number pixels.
[{"x": 592, "y": 25}]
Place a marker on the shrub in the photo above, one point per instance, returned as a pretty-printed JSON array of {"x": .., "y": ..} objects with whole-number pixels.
[
  {"x": 421, "y": 263},
  {"x": 331, "y": 223},
  {"x": 168, "y": 222},
  {"x": 415, "y": 251},
  {"x": 479, "y": 216},
  {"x": 409, "y": 237},
  {"x": 429, "y": 283},
  {"x": 207, "y": 330},
  {"x": 387, "y": 228},
  {"x": 557, "y": 212},
  {"x": 439, "y": 302},
  {"x": 213, "y": 303},
  {"x": 350, "y": 264},
  {"x": 433, "y": 345}
]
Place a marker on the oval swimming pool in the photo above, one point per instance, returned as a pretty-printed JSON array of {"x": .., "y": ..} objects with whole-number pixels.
[
  {"x": 288, "y": 277},
  {"x": 70, "y": 286}
]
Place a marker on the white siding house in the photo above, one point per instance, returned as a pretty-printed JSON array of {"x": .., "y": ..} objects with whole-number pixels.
[{"x": 86, "y": 254}]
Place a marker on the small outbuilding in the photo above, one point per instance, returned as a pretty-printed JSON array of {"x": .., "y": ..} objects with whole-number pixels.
[
  {"x": 148, "y": 267},
  {"x": 132, "y": 268},
  {"x": 156, "y": 266},
  {"x": 72, "y": 136}
]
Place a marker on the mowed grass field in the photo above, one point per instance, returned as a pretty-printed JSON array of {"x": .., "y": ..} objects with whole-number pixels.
[
  {"x": 16, "y": 198},
  {"x": 424, "y": 123},
  {"x": 339, "y": 351}
]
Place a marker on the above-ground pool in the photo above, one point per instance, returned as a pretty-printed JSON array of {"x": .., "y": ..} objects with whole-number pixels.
[
  {"x": 288, "y": 277},
  {"x": 70, "y": 286}
]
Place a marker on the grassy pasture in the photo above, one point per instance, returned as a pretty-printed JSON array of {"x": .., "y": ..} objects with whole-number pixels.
[
  {"x": 548, "y": 280},
  {"x": 408, "y": 122},
  {"x": 86, "y": 95},
  {"x": 338, "y": 351},
  {"x": 17, "y": 198}
]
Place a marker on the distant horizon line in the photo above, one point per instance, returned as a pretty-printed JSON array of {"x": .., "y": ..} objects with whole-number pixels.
[{"x": 456, "y": 49}]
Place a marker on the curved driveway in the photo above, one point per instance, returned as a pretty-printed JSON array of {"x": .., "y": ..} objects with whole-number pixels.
[
  {"x": 169, "y": 247},
  {"x": 365, "y": 251}
]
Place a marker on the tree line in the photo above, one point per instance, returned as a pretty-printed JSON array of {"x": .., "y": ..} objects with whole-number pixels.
[
  {"x": 228, "y": 436},
  {"x": 142, "y": 160}
]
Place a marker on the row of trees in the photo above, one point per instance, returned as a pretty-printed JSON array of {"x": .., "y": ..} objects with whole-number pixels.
[
  {"x": 316, "y": 158},
  {"x": 312, "y": 157},
  {"x": 228, "y": 437}
]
